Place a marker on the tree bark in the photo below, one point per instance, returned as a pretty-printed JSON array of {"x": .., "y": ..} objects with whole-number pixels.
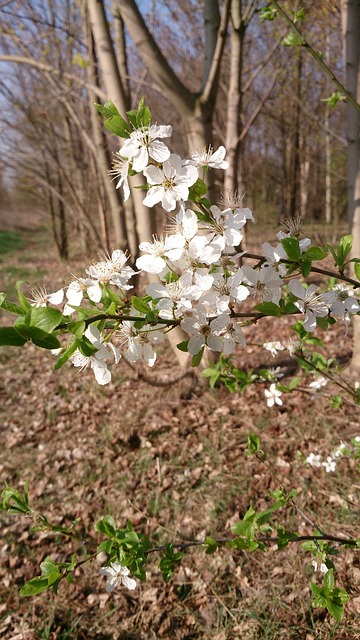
[
  {"x": 137, "y": 215},
  {"x": 351, "y": 34},
  {"x": 103, "y": 162}
]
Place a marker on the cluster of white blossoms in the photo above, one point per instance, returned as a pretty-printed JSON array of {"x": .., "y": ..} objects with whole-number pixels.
[
  {"x": 200, "y": 285},
  {"x": 343, "y": 450}
]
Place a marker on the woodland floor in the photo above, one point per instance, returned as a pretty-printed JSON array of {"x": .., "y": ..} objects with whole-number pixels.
[{"x": 173, "y": 461}]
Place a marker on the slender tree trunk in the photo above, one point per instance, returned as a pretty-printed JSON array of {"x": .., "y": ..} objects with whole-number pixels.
[
  {"x": 234, "y": 98},
  {"x": 351, "y": 30},
  {"x": 103, "y": 163},
  {"x": 120, "y": 50},
  {"x": 295, "y": 151},
  {"x": 327, "y": 147},
  {"x": 137, "y": 215}
]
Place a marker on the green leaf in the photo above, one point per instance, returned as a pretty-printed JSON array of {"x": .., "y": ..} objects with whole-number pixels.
[
  {"x": 299, "y": 15},
  {"x": 293, "y": 40},
  {"x": 315, "y": 253},
  {"x": 336, "y": 610},
  {"x": 292, "y": 248},
  {"x": 106, "y": 545},
  {"x": 250, "y": 514},
  {"x": 329, "y": 580},
  {"x": 305, "y": 267},
  {"x": 34, "y": 586},
  {"x": 253, "y": 444},
  {"x": 345, "y": 244},
  {"x": 22, "y": 327},
  {"x": 264, "y": 516},
  {"x": 315, "y": 588},
  {"x": 168, "y": 563},
  {"x": 267, "y": 13},
  {"x": 106, "y": 525},
  {"x": 244, "y": 529},
  {"x": 24, "y": 303},
  {"x": 211, "y": 545},
  {"x": 141, "y": 304},
  {"x": 9, "y": 336},
  {"x": 43, "y": 339},
  {"x": 14, "y": 502},
  {"x": 334, "y": 99},
  {"x": 9, "y": 306},
  {"x": 140, "y": 117},
  {"x": 118, "y": 126},
  {"x": 114, "y": 122},
  {"x": 86, "y": 347},
  {"x": 357, "y": 269},
  {"x": 44, "y": 318},
  {"x": 238, "y": 543},
  {"x": 183, "y": 346},
  {"x": 196, "y": 359},
  {"x": 269, "y": 309},
  {"x": 48, "y": 566},
  {"x": 336, "y": 402},
  {"x": 77, "y": 328},
  {"x": 64, "y": 357},
  {"x": 197, "y": 190}
]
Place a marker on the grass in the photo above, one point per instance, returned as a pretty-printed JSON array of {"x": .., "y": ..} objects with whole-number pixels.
[{"x": 10, "y": 241}]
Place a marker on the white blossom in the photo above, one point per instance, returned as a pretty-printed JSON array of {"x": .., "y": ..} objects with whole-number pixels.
[
  {"x": 41, "y": 298},
  {"x": 266, "y": 283},
  {"x": 143, "y": 143},
  {"x": 309, "y": 303},
  {"x": 273, "y": 347},
  {"x": 120, "y": 169},
  {"x": 159, "y": 252},
  {"x": 141, "y": 342},
  {"x": 273, "y": 256},
  {"x": 169, "y": 184},
  {"x": 96, "y": 361},
  {"x": 209, "y": 158},
  {"x": 201, "y": 332},
  {"x": 319, "y": 383},
  {"x": 329, "y": 464},
  {"x": 319, "y": 565},
  {"x": 230, "y": 332},
  {"x": 273, "y": 396},
  {"x": 185, "y": 223},
  {"x": 314, "y": 460},
  {"x": 341, "y": 450},
  {"x": 75, "y": 293},
  {"x": 112, "y": 270},
  {"x": 340, "y": 300},
  {"x": 225, "y": 226},
  {"x": 116, "y": 575},
  {"x": 174, "y": 298}
]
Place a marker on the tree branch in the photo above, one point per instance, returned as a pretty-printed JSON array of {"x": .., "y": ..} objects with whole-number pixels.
[
  {"x": 171, "y": 85},
  {"x": 49, "y": 69},
  {"x": 214, "y": 69},
  {"x": 316, "y": 56}
]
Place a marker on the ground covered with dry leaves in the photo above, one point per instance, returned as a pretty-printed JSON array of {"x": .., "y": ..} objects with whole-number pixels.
[{"x": 172, "y": 460}]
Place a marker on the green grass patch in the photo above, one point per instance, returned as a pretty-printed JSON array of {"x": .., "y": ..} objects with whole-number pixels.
[{"x": 10, "y": 241}]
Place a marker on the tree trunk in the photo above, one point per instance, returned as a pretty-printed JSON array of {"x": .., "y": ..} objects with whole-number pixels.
[
  {"x": 234, "y": 98},
  {"x": 327, "y": 147},
  {"x": 103, "y": 162},
  {"x": 295, "y": 151},
  {"x": 137, "y": 215},
  {"x": 351, "y": 34}
]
